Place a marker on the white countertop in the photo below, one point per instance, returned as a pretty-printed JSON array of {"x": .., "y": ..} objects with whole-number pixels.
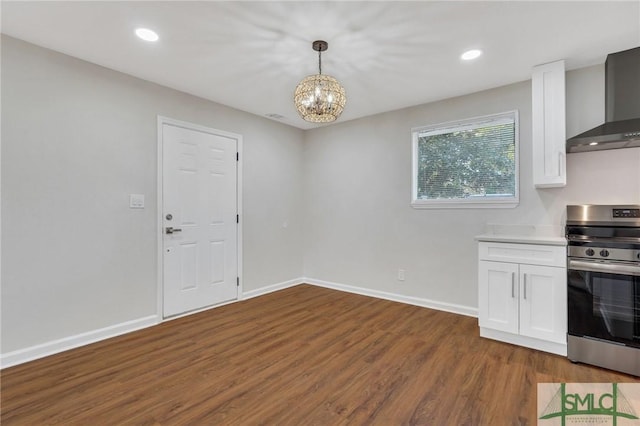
[
  {"x": 523, "y": 234},
  {"x": 522, "y": 239}
]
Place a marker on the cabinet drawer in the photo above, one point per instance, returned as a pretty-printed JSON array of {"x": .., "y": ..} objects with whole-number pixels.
[{"x": 533, "y": 254}]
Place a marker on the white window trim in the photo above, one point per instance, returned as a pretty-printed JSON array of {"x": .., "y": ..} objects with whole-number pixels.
[{"x": 467, "y": 203}]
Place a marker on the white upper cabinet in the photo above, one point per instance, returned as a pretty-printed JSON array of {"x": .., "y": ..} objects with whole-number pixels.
[{"x": 548, "y": 123}]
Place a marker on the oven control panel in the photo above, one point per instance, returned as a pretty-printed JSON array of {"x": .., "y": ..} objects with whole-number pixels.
[
  {"x": 626, "y": 213},
  {"x": 604, "y": 253}
]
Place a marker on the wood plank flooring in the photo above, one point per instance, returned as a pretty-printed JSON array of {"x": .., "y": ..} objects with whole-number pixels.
[{"x": 301, "y": 356}]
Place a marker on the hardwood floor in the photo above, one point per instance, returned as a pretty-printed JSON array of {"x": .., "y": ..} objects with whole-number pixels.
[{"x": 301, "y": 356}]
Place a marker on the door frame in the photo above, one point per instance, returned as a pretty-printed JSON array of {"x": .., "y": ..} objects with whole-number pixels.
[{"x": 159, "y": 219}]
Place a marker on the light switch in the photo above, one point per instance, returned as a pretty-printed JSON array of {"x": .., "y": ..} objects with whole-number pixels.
[{"x": 136, "y": 201}]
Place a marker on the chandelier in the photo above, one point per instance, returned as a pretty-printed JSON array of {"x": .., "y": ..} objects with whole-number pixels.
[{"x": 319, "y": 98}]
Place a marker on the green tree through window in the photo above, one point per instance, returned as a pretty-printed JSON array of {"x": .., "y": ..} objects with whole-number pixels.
[{"x": 467, "y": 161}]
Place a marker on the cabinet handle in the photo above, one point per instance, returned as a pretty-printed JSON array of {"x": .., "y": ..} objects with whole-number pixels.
[
  {"x": 560, "y": 154},
  {"x": 525, "y": 286},
  {"x": 513, "y": 285}
]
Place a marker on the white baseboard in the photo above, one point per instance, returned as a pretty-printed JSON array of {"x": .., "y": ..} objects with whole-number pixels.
[
  {"x": 410, "y": 300},
  {"x": 56, "y": 346},
  {"x": 529, "y": 342},
  {"x": 42, "y": 350},
  {"x": 31, "y": 353},
  {"x": 271, "y": 288}
]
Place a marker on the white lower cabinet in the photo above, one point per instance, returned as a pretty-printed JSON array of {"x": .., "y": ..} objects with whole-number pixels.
[{"x": 523, "y": 303}]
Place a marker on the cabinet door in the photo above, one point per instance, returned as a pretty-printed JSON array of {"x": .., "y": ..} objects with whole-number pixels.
[
  {"x": 543, "y": 303},
  {"x": 548, "y": 125},
  {"x": 498, "y": 296}
]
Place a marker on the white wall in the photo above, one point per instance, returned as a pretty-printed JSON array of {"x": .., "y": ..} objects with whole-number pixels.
[
  {"x": 360, "y": 228},
  {"x": 77, "y": 139}
]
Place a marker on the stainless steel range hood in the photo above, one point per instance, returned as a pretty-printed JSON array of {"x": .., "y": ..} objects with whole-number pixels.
[{"x": 622, "y": 107}]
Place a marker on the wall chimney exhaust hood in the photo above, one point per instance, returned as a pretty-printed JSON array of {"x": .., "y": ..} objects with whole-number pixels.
[{"x": 622, "y": 107}]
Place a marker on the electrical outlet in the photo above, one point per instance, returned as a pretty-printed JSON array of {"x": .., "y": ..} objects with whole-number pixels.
[{"x": 400, "y": 274}]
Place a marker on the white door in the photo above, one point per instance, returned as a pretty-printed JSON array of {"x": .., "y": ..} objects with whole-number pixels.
[
  {"x": 543, "y": 303},
  {"x": 498, "y": 296},
  {"x": 199, "y": 214}
]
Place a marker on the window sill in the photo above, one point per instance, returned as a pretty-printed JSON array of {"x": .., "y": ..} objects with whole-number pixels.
[{"x": 493, "y": 204}]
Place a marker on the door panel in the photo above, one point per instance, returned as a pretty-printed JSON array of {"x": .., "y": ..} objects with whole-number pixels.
[
  {"x": 498, "y": 296},
  {"x": 200, "y": 261},
  {"x": 543, "y": 305}
]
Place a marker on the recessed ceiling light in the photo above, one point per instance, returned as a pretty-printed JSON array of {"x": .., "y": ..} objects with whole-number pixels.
[
  {"x": 471, "y": 54},
  {"x": 147, "y": 34},
  {"x": 593, "y": 143}
]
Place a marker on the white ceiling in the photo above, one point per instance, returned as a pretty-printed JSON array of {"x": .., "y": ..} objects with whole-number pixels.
[{"x": 388, "y": 55}]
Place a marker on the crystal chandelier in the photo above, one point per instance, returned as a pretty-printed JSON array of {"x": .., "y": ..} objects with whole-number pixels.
[{"x": 319, "y": 98}]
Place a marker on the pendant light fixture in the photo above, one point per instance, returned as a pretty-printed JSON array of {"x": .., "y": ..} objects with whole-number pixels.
[{"x": 319, "y": 98}]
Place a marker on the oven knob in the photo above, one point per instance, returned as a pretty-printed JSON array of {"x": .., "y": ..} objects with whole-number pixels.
[
  {"x": 604, "y": 253},
  {"x": 590, "y": 252}
]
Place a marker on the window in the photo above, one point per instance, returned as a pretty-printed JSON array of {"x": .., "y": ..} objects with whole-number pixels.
[{"x": 470, "y": 163}]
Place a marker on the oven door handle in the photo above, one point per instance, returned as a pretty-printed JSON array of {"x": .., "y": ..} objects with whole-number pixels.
[{"x": 609, "y": 268}]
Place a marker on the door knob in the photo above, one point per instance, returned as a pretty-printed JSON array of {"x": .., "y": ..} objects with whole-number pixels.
[{"x": 171, "y": 230}]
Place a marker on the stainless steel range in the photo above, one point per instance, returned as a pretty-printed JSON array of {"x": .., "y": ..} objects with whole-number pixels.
[{"x": 604, "y": 286}]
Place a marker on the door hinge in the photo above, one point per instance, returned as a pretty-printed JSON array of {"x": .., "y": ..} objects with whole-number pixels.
[
  {"x": 237, "y": 156},
  {"x": 237, "y": 218},
  {"x": 238, "y": 281}
]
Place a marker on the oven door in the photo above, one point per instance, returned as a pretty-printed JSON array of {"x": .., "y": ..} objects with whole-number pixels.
[{"x": 604, "y": 301}]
